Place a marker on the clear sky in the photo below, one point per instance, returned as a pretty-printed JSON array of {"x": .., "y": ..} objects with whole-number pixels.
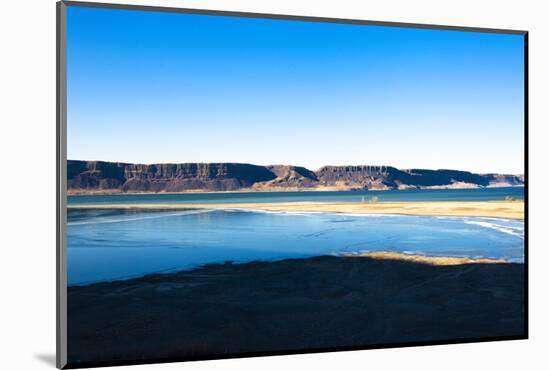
[{"x": 151, "y": 87}]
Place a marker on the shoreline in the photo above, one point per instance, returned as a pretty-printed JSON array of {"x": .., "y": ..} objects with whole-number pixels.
[
  {"x": 77, "y": 193},
  {"x": 498, "y": 209},
  {"x": 389, "y": 256}
]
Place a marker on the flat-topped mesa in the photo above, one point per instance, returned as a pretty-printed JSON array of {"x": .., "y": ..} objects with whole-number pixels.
[
  {"x": 390, "y": 177},
  {"x": 188, "y": 176},
  {"x": 123, "y": 177},
  {"x": 202, "y": 171},
  {"x": 114, "y": 177},
  {"x": 353, "y": 171},
  {"x": 95, "y": 175},
  {"x": 360, "y": 177},
  {"x": 432, "y": 178}
]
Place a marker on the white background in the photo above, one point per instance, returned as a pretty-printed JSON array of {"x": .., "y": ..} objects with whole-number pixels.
[{"x": 27, "y": 181}]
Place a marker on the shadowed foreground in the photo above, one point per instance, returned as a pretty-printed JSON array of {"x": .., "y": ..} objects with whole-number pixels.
[{"x": 298, "y": 304}]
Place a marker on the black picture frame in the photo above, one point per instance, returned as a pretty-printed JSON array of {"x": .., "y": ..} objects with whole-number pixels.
[{"x": 61, "y": 194}]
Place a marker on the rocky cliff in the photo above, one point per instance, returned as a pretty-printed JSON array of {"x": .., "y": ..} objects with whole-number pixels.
[
  {"x": 124, "y": 177},
  {"x": 110, "y": 177}
]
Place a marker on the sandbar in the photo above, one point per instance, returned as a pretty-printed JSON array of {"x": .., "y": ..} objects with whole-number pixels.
[
  {"x": 428, "y": 260},
  {"x": 500, "y": 209}
]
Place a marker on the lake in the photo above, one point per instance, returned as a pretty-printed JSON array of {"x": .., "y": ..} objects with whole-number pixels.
[{"x": 109, "y": 244}]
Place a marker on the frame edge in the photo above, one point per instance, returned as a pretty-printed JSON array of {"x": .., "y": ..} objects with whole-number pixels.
[
  {"x": 61, "y": 158},
  {"x": 289, "y": 17},
  {"x": 61, "y": 128},
  {"x": 526, "y": 180}
]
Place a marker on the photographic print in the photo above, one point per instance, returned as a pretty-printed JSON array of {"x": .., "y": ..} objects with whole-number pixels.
[{"x": 238, "y": 185}]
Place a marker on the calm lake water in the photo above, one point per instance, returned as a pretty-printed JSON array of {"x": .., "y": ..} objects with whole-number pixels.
[
  {"x": 119, "y": 244},
  {"x": 307, "y": 196}
]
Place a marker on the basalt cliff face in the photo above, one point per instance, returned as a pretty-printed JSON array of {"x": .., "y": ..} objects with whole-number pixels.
[
  {"x": 125, "y": 177},
  {"x": 87, "y": 177}
]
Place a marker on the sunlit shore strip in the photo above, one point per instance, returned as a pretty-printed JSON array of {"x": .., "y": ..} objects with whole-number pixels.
[
  {"x": 429, "y": 260},
  {"x": 500, "y": 209}
]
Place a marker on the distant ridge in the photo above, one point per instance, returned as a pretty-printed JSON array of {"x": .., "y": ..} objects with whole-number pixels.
[{"x": 88, "y": 177}]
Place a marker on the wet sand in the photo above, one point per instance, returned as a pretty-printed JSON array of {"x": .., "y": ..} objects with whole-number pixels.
[
  {"x": 298, "y": 304},
  {"x": 502, "y": 209}
]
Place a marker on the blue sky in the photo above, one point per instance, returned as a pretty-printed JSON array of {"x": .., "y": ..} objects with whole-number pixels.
[{"x": 149, "y": 87}]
